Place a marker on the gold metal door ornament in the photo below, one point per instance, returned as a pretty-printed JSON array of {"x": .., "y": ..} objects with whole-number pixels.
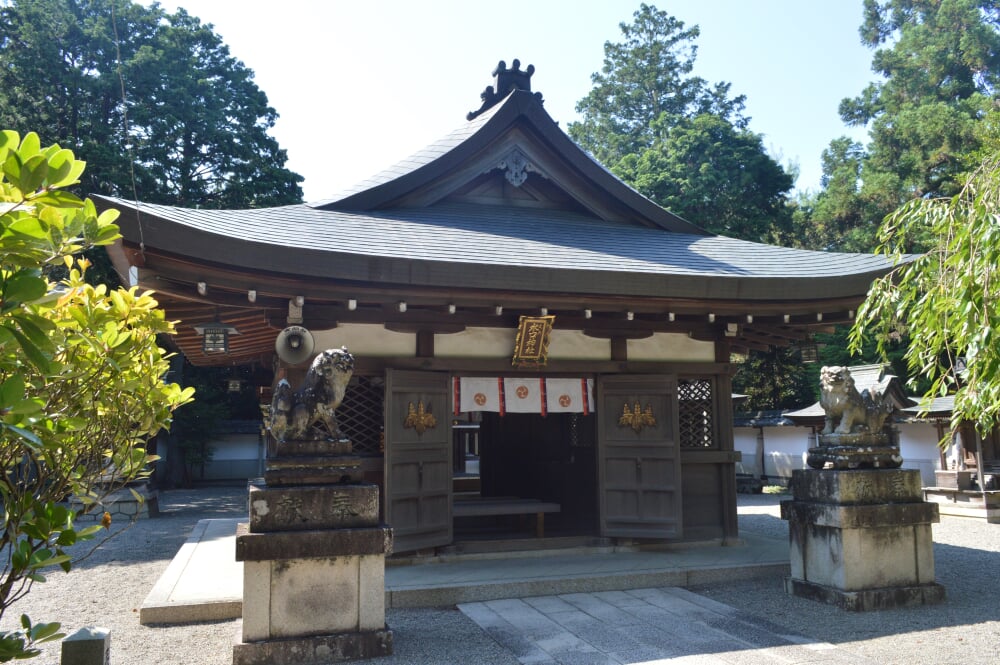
[
  {"x": 636, "y": 418},
  {"x": 419, "y": 419}
]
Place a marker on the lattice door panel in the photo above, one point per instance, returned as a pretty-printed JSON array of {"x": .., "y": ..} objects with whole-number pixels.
[
  {"x": 697, "y": 421},
  {"x": 360, "y": 414}
]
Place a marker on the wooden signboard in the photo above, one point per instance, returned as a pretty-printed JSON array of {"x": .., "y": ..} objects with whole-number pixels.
[{"x": 531, "y": 347}]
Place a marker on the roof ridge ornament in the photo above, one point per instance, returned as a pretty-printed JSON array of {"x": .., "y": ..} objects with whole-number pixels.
[{"x": 504, "y": 82}]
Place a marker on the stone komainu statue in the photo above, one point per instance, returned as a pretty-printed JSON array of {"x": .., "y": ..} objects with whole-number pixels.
[
  {"x": 847, "y": 410},
  {"x": 308, "y": 413}
]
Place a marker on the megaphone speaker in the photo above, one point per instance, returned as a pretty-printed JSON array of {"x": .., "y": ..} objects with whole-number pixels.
[{"x": 294, "y": 345}]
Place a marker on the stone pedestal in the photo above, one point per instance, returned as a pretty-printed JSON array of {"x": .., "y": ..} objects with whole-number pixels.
[
  {"x": 861, "y": 539},
  {"x": 87, "y": 646},
  {"x": 313, "y": 556}
]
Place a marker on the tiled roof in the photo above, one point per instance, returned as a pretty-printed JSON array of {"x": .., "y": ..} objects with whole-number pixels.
[
  {"x": 418, "y": 159},
  {"x": 939, "y": 406},
  {"x": 770, "y": 418},
  {"x": 483, "y": 235},
  {"x": 523, "y": 115}
]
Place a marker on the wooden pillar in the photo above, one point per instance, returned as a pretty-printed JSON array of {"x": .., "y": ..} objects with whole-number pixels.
[
  {"x": 619, "y": 349},
  {"x": 727, "y": 471},
  {"x": 425, "y": 344}
]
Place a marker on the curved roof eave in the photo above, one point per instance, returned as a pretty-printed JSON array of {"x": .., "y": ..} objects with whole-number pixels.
[{"x": 568, "y": 254}]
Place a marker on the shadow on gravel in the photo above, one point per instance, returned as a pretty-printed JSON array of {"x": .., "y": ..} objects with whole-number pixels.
[
  {"x": 160, "y": 538},
  {"x": 207, "y": 502},
  {"x": 967, "y": 571}
]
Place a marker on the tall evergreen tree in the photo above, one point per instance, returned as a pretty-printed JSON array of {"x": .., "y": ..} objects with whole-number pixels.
[
  {"x": 676, "y": 138},
  {"x": 939, "y": 63},
  {"x": 76, "y": 70}
]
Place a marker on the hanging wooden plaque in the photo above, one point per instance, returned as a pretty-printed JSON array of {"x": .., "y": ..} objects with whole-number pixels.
[{"x": 531, "y": 347}]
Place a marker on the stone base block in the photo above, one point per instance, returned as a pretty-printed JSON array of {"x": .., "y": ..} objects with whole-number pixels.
[
  {"x": 319, "y": 470},
  {"x": 87, "y": 646},
  {"x": 868, "y": 516},
  {"x": 311, "y": 507},
  {"x": 857, "y": 486},
  {"x": 315, "y": 650},
  {"x": 869, "y": 599},
  {"x": 292, "y": 598},
  {"x": 320, "y": 543},
  {"x": 313, "y": 448},
  {"x": 861, "y": 539}
]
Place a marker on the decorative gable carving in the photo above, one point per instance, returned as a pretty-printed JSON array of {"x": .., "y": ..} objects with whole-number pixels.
[{"x": 516, "y": 166}]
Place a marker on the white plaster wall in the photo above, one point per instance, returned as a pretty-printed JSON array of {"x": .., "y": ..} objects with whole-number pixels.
[
  {"x": 745, "y": 442},
  {"x": 366, "y": 339},
  {"x": 671, "y": 346},
  {"x": 235, "y": 447},
  {"x": 476, "y": 343},
  {"x": 234, "y": 456},
  {"x": 499, "y": 343},
  {"x": 918, "y": 446},
  {"x": 374, "y": 340},
  {"x": 785, "y": 449},
  {"x": 574, "y": 345}
]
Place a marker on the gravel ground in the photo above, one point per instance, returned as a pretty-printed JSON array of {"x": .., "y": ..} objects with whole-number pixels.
[
  {"x": 964, "y": 629},
  {"x": 108, "y": 587}
]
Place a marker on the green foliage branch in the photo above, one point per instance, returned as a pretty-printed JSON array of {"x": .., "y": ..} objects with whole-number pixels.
[
  {"x": 81, "y": 375},
  {"x": 945, "y": 300}
]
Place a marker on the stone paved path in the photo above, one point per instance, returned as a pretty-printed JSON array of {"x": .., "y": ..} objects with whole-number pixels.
[{"x": 641, "y": 626}]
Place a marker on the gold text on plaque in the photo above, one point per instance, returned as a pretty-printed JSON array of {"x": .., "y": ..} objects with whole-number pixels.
[
  {"x": 419, "y": 419},
  {"x": 531, "y": 347},
  {"x": 636, "y": 418}
]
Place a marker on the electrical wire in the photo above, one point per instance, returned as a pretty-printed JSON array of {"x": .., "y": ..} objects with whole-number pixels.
[{"x": 128, "y": 141}]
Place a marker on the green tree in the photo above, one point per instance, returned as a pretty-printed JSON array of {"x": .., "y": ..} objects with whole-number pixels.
[
  {"x": 945, "y": 300},
  {"x": 197, "y": 124},
  {"x": 790, "y": 383},
  {"x": 646, "y": 75},
  {"x": 838, "y": 210},
  {"x": 678, "y": 139},
  {"x": 714, "y": 175},
  {"x": 939, "y": 63},
  {"x": 81, "y": 374}
]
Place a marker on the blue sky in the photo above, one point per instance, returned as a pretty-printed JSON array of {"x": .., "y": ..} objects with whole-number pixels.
[{"x": 360, "y": 85}]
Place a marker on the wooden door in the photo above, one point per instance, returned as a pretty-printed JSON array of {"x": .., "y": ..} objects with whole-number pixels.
[
  {"x": 639, "y": 464},
  {"x": 418, "y": 459}
]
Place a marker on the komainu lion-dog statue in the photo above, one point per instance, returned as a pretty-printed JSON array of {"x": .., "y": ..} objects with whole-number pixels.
[
  {"x": 847, "y": 410},
  {"x": 308, "y": 413}
]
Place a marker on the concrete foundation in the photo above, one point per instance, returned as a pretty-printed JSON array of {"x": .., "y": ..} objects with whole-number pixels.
[{"x": 861, "y": 539}]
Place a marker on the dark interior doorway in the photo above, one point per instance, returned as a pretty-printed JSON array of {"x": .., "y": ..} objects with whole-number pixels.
[{"x": 551, "y": 459}]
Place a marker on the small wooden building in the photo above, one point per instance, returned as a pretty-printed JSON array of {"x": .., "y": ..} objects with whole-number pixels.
[{"x": 425, "y": 271}]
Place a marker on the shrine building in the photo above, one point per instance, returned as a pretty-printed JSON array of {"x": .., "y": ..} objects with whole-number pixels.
[{"x": 533, "y": 338}]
